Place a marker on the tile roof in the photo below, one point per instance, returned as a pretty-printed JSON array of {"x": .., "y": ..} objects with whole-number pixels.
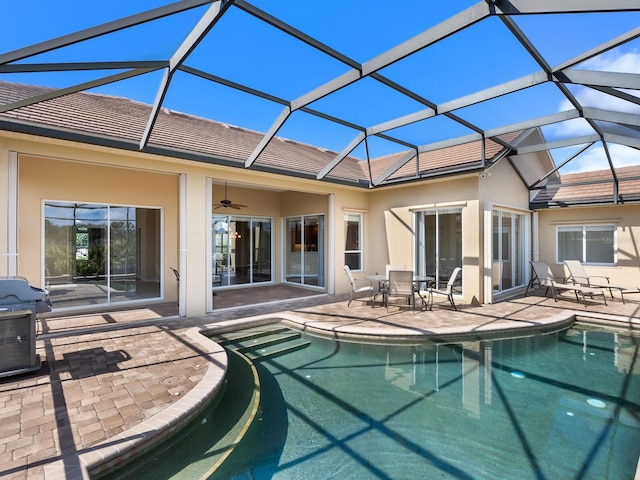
[
  {"x": 590, "y": 188},
  {"x": 441, "y": 161},
  {"x": 111, "y": 120}
]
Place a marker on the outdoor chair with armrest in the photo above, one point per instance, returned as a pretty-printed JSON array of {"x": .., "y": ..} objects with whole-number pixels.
[
  {"x": 400, "y": 285},
  {"x": 355, "y": 289},
  {"x": 434, "y": 288},
  {"x": 578, "y": 275},
  {"x": 542, "y": 276}
]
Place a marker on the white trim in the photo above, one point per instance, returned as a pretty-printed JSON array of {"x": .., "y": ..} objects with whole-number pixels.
[
  {"x": 354, "y": 210},
  {"x": 590, "y": 221},
  {"x": 331, "y": 246},
  {"x": 12, "y": 218},
  {"x": 208, "y": 248},
  {"x": 431, "y": 206},
  {"x": 182, "y": 243},
  {"x": 488, "y": 253}
]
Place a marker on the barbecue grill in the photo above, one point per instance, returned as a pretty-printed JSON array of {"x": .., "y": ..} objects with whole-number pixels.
[{"x": 19, "y": 304}]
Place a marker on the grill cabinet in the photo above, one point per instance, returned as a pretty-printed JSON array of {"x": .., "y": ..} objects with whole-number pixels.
[{"x": 19, "y": 304}]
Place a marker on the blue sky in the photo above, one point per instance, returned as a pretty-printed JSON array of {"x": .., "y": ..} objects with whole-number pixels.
[{"x": 245, "y": 50}]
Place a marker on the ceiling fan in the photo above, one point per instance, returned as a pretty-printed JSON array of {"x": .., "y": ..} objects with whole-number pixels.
[{"x": 226, "y": 203}]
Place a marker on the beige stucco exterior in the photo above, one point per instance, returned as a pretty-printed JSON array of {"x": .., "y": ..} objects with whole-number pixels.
[
  {"x": 49, "y": 169},
  {"x": 626, "y": 218}
]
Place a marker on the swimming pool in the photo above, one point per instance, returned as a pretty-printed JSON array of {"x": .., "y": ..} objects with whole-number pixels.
[{"x": 554, "y": 406}]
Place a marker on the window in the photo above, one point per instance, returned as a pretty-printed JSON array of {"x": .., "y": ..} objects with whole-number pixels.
[
  {"x": 587, "y": 243},
  {"x": 353, "y": 240}
]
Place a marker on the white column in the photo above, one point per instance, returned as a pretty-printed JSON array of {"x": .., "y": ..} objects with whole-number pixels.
[
  {"x": 12, "y": 216},
  {"x": 182, "y": 246},
  {"x": 331, "y": 251},
  {"x": 196, "y": 283}
]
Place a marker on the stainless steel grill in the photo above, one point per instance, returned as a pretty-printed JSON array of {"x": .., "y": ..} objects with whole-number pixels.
[{"x": 19, "y": 304}]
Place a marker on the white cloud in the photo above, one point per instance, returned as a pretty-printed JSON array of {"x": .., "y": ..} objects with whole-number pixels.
[
  {"x": 596, "y": 159},
  {"x": 613, "y": 61}
]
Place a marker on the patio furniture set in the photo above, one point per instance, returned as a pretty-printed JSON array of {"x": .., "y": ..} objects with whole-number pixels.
[{"x": 400, "y": 283}]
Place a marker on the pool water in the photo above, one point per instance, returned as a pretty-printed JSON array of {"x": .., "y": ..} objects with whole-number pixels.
[{"x": 555, "y": 406}]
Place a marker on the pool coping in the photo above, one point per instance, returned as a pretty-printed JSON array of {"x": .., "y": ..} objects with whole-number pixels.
[{"x": 103, "y": 456}]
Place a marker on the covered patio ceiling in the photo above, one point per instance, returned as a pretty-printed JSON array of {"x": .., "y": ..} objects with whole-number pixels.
[{"x": 363, "y": 79}]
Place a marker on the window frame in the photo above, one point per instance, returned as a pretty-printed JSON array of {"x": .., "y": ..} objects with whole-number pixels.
[
  {"x": 584, "y": 228},
  {"x": 359, "y": 251}
]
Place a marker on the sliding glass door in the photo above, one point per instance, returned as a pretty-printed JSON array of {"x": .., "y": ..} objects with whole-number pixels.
[
  {"x": 100, "y": 254},
  {"x": 508, "y": 245},
  {"x": 242, "y": 250},
  {"x": 439, "y": 243},
  {"x": 304, "y": 250}
]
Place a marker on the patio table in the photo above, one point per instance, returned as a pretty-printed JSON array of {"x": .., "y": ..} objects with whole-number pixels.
[{"x": 382, "y": 280}]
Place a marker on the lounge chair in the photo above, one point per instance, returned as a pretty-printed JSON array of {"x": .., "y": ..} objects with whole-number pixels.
[
  {"x": 355, "y": 289},
  {"x": 446, "y": 291},
  {"x": 400, "y": 284},
  {"x": 578, "y": 275},
  {"x": 542, "y": 276}
]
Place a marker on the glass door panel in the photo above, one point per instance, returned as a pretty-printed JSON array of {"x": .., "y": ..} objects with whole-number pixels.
[
  {"x": 242, "y": 250},
  {"x": 76, "y": 273},
  {"x": 261, "y": 247},
  {"x": 304, "y": 250},
  {"x": 508, "y": 250},
  {"x": 98, "y": 254},
  {"x": 439, "y": 243},
  {"x": 135, "y": 255},
  {"x": 293, "y": 250}
]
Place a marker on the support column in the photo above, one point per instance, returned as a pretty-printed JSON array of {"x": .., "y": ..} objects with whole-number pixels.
[{"x": 193, "y": 251}]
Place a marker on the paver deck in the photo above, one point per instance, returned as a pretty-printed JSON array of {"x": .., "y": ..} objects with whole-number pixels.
[{"x": 112, "y": 380}]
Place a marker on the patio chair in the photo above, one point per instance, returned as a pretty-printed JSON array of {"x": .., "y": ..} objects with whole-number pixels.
[
  {"x": 176, "y": 273},
  {"x": 400, "y": 285},
  {"x": 434, "y": 288},
  {"x": 355, "y": 289},
  {"x": 389, "y": 268},
  {"x": 542, "y": 276},
  {"x": 578, "y": 275}
]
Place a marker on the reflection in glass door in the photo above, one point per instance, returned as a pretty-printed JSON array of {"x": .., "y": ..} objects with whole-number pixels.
[
  {"x": 508, "y": 250},
  {"x": 304, "y": 250},
  {"x": 100, "y": 254},
  {"x": 439, "y": 243},
  {"x": 242, "y": 250}
]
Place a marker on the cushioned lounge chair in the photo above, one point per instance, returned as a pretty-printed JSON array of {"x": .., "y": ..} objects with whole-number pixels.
[
  {"x": 578, "y": 275},
  {"x": 542, "y": 276}
]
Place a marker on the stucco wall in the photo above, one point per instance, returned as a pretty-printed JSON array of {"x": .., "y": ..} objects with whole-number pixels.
[
  {"x": 391, "y": 234},
  {"x": 50, "y": 179},
  {"x": 61, "y": 170},
  {"x": 627, "y": 220}
]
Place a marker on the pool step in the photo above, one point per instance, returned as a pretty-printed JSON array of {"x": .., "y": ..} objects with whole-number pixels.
[
  {"x": 261, "y": 343},
  {"x": 231, "y": 338},
  {"x": 264, "y": 354}
]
